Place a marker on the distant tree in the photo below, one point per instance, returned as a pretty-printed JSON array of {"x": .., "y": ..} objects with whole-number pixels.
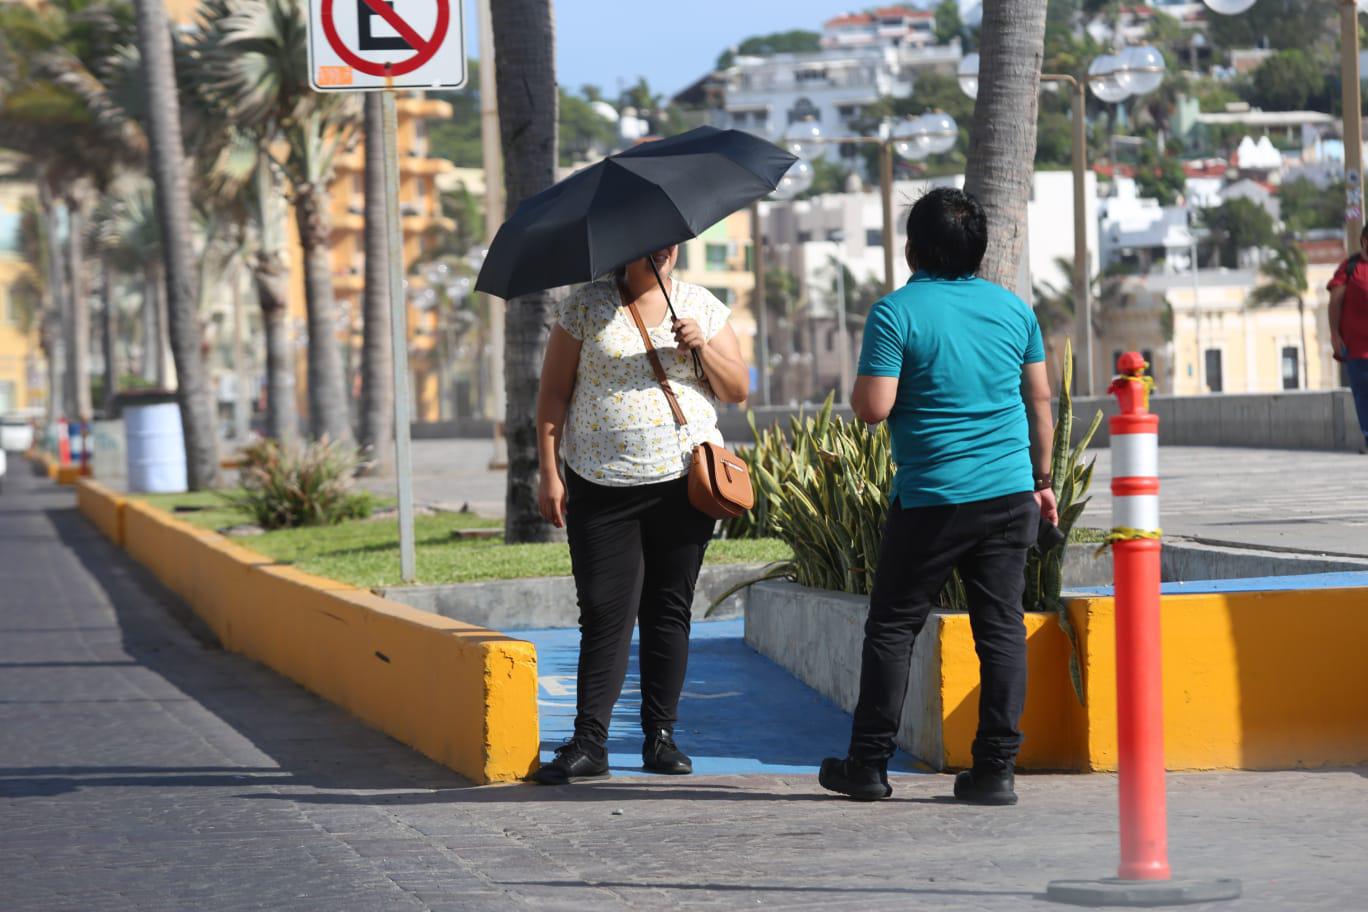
[
  {"x": 1160, "y": 177},
  {"x": 948, "y": 21},
  {"x": 1287, "y": 81},
  {"x": 796, "y": 41},
  {"x": 584, "y": 133},
  {"x": 457, "y": 138},
  {"x": 1282, "y": 23},
  {"x": 1054, "y": 142},
  {"x": 1306, "y": 206},
  {"x": 1284, "y": 275},
  {"x": 827, "y": 177},
  {"x": 1238, "y": 224}
]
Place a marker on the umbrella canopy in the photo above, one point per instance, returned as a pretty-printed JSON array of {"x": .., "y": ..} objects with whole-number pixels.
[{"x": 629, "y": 205}]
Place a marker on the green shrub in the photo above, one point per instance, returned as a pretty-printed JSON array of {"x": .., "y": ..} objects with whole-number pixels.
[{"x": 286, "y": 487}]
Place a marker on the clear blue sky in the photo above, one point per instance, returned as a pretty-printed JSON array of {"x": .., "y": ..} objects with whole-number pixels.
[{"x": 612, "y": 42}]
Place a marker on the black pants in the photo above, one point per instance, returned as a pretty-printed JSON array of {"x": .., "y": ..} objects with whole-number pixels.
[
  {"x": 987, "y": 541},
  {"x": 636, "y": 552}
]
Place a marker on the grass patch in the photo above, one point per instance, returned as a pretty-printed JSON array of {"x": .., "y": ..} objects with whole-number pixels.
[
  {"x": 365, "y": 553},
  {"x": 1084, "y": 536}
]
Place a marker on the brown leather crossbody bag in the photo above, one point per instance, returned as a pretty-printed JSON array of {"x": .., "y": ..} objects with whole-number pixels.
[{"x": 719, "y": 480}]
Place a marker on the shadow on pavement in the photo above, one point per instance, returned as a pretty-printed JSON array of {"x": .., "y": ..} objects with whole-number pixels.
[
  {"x": 763, "y": 888},
  {"x": 312, "y": 742}
]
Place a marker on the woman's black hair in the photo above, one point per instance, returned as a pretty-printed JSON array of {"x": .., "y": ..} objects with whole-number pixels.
[{"x": 947, "y": 232}]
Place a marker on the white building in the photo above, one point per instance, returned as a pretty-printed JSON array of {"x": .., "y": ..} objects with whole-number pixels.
[
  {"x": 804, "y": 235},
  {"x": 1138, "y": 230},
  {"x": 889, "y": 26}
]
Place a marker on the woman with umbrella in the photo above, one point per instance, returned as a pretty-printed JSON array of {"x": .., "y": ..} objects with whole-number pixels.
[
  {"x": 635, "y": 360},
  {"x": 636, "y": 542}
]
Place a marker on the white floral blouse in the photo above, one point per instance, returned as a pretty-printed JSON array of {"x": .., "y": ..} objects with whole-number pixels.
[{"x": 619, "y": 430}]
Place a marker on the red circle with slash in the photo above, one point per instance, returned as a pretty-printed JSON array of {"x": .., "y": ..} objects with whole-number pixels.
[{"x": 424, "y": 48}]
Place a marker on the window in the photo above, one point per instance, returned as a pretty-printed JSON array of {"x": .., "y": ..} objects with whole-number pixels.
[
  {"x": 804, "y": 237},
  {"x": 1213, "y": 370},
  {"x": 683, "y": 261},
  {"x": 716, "y": 255},
  {"x": 804, "y": 109},
  {"x": 874, "y": 237},
  {"x": 1291, "y": 368},
  {"x": 750, "y": 258},
  {"x": 847, "y": 112},
  {"x": 725, "y": 295},
  {"x": 9, "y": 400}
]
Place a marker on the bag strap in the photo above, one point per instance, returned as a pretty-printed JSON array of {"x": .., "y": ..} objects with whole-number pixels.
[{"x": 656, "y": 366}]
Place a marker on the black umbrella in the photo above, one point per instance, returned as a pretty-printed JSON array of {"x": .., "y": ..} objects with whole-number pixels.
[{"x": 629, "y": 205}]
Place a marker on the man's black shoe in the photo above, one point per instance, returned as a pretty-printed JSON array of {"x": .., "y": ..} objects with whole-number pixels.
[
  {"x": 660, "y": 754},
  {"x": 983, "y": 785},
  {"x": 861, "y": 781},
  {"x": 573, "y": 763}
]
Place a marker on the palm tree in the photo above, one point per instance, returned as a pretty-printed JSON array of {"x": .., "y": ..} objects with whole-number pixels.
[
  {"x": 1002, "y": 143},
  {"x": 253, "y": 51},
  {"x": 377, "y": 351},
  {"x": 1285, "y": 278},
  {"x": 525, "y": 61},
  {"x": 173, "y": 210},
  {"x": 129, "y": 236}
]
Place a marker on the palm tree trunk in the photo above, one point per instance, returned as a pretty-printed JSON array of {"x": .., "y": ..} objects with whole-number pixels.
[
  {"x": 109, "y": 336},
  {"x": 151, "y": 333},
  {"x": 166, "y": 376},
  {"x": 377, "y": 353},
  {"x": 271, "y": 279},
  {"x": 78, "y": 341},
  {"x": 51, "y": 337},
  {"x": 54, "y": 316},
  {"x": 1002, "y": 143},
  {"x": 327, "y": 385},
  {"x": 525, "y": 61},
  {"x": 173, "y": 212}
]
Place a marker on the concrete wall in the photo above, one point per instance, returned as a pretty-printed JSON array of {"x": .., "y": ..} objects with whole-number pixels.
[
  {"x": 1286, "y": 421},
  {"x": 550, "y": 601},
  {"x": 1314, "y": 420}
]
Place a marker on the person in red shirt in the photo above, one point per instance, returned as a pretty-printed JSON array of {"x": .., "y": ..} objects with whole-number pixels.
[{"x": 1349, "y": 326}]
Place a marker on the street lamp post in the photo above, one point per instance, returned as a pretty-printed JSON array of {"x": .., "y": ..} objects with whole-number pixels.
[{"x": 1113, "y": 78}]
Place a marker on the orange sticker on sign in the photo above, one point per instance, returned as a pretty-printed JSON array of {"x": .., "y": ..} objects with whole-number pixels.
[{"x": 334, "y": 76}]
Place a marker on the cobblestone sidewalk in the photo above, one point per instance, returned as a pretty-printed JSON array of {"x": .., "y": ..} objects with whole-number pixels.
[{"x": 143, "y": 770}]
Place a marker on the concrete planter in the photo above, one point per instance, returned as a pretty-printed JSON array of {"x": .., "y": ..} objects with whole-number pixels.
[
  {"x": 1268, "y": 678},
  {"x": 528, "y": 604}
]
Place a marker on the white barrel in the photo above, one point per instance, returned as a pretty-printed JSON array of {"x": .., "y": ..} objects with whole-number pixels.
[{"x": 156, "y": 448}]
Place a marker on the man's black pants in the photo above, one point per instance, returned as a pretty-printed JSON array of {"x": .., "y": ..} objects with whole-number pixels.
[
  {"x": 636, "y": 552},
  {"x": 987, "y": 542}
]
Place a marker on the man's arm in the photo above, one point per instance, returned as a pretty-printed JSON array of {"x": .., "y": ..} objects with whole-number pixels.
[
  {"x": 873, "y": 398},
  {"x": 1035, "y": 392}
]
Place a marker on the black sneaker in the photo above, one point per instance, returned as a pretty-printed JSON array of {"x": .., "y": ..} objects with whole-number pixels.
[
  {"x": 850, "y": 777},
  {"x": 660, "y": 754},
  {"x": 573, "y": 763},
  {"x": 987, "y": 785}
]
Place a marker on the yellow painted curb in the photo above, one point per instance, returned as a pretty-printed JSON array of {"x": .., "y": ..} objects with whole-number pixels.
[
  {"x": 103, "y": 507},
  {"x": 463, "y": 695},
  {"x": 1252, "y": 680}
]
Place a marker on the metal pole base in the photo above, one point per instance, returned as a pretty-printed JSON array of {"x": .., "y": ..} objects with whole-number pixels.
[{"x": 1112, "y": 891}]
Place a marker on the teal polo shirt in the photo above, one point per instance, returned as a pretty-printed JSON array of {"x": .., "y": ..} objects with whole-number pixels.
[{"x": 957, "y": 347}]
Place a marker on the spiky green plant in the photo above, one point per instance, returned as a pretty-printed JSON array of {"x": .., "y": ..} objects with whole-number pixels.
[{"x": 285, "y": 486}]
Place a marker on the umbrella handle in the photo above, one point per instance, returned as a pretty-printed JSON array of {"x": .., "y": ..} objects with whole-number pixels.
[{"x": 698, "y": 362}]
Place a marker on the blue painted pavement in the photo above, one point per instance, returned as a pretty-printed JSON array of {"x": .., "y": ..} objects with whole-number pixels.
[
  {"x": 740, "y": 712},
  {"x": 1342, "y": 580}
]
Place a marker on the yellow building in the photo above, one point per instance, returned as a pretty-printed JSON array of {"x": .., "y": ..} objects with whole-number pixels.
[
  {"x": 21, "y": 358},
  {"x": 721, "y": 259},
  {"x": 1223, "y": 343}
]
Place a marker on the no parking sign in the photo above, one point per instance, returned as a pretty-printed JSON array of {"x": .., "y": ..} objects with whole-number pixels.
[{"x": 368, "y": 45}]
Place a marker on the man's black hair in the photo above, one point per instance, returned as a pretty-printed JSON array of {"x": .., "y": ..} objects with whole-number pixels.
[{"x": 948, "y": 233}]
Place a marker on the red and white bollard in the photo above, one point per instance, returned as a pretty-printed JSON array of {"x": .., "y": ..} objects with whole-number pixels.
[
  {"x": 63, "y": 443},
  {"x": 1143, "y": 877},
  {"x": 1139, "y": 668}
]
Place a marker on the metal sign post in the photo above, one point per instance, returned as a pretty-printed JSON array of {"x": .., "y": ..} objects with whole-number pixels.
[
  {"x": 384, "y": 45},
  {"x": 394, "y": 233}
]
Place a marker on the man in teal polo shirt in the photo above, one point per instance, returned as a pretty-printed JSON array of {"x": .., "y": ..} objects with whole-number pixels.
[{"x": 956, "y": 366}]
